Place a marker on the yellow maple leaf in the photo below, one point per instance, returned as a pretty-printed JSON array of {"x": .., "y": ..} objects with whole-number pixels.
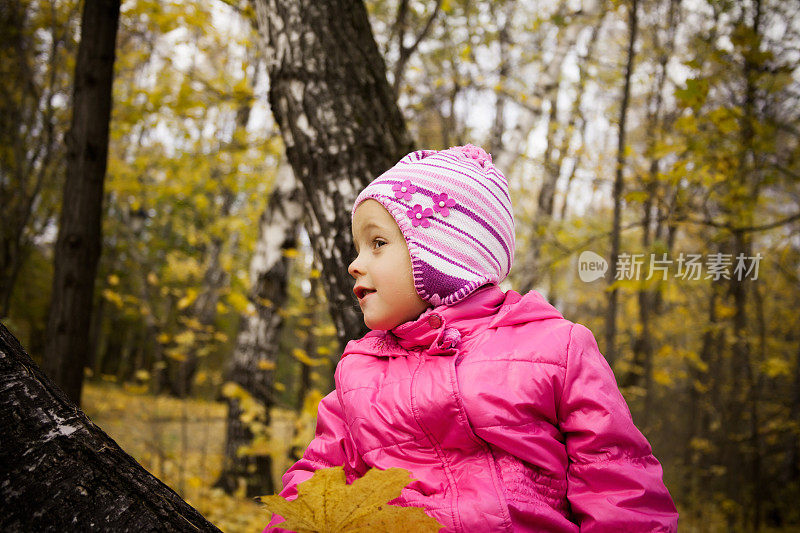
[{"x": 325, "y": 502}]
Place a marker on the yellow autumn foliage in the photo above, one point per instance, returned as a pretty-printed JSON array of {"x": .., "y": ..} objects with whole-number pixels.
[
  {"x": 113, "y": 297},
  {"x": 252, "y": 409},
  {"x": 303, "y": 357},
  {"x": 238, "y": 301},
  {"x": 188, "y": 299}
]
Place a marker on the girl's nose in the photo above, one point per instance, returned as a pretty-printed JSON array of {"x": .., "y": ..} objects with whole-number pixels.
[{"x": 353, "y": 268}]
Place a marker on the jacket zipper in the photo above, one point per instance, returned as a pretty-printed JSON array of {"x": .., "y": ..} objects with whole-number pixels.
[
  {"x": 485, "y": 447},
  {"x": 455, "y": 516}
]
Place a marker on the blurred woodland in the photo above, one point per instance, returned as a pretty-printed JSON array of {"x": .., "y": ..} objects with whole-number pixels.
[{"x": 666, "y": 128}]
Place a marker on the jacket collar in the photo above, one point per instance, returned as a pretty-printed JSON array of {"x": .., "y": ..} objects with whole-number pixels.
[{"x": 441, "y": 329}]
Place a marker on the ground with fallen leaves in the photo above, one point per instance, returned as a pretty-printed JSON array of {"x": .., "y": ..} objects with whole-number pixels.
[{"x": 181, "y": 443}]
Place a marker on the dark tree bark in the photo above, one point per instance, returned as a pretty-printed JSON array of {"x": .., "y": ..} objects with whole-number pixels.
[
  {"x": 79, "y": 239},
  {"x": 790, "y": 471},
  {"x": 60, "y": 472},
  {"x": 696, "y": 474},
  {"x": 340, "y": 124},
  {"x": 748, "y": 178},
  {"x": 258, "y": 339},
  {"x": 611, "y": 312}
]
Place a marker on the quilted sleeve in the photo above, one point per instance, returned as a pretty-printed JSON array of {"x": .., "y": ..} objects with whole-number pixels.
[
  {"x": 614, "y": 483},
  {"x": 331, "y": 446}
]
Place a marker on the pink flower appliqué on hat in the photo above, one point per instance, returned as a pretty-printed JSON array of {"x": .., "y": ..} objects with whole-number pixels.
[
  {"x": 441, "y": 203},
  {"x": 403, "y": 191},
  {"x": 419, "y": 216}
]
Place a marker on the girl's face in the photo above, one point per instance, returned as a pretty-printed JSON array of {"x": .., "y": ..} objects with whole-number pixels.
[{"x": 382, "y": 269}]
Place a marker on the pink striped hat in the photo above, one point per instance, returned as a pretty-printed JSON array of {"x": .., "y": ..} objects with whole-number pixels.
[{"x": 454, "y": 210}]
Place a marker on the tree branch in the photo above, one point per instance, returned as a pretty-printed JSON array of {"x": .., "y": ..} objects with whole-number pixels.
[
  {"x": 426, "y": 29},
  {"x": 405, "y": 52},
  {"x": 735, "y": 229}
]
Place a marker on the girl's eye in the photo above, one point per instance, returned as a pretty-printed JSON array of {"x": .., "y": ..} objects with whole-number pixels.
[{"x": 378, "y": 241}]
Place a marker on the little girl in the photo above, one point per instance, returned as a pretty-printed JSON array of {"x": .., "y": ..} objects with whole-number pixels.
[{"x": 505, "y": 413}]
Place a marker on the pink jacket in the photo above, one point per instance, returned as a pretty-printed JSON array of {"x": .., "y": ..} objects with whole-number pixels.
[{"x": 506, "y": 414}]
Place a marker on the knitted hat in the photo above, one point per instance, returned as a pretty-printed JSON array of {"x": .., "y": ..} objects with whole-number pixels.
[{"x": 454, "y": 211}]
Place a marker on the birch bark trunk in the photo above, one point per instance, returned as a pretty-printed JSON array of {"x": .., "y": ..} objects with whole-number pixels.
[
  {"x": 60, "y": 472},
  {"x": 340, "y": 124},
  {"x": 254, "y": 357}
]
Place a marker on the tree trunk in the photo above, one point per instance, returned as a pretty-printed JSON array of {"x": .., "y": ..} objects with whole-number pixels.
[
  {"x": 504, "y": 39},
  {"x": 60, "y": 472},
  {"x": 79, "y": 236},
  {"x": 215, "y": 278},
  {"x": 611, "y": 312},
  {"x": 696, "y": 472},
  {"x": 310, "y": 342},
  {"x": 531, "y": 272},
  {"x": 204, "y": 308},
  {"x": 258, "y": 340},
  {"x": 30, "y": 128},
  {"x": 790, "y": 471},
  {"x": 642, "y": 371},
  {"x": 744, "y": 374},
  {"x": 576, "y": 114},
  {"x": 407, "y": 51},
  {"x": 340, "y": 124}
]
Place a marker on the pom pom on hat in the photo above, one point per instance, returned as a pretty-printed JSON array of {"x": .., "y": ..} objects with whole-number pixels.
[{"x": 454, "y": 210}]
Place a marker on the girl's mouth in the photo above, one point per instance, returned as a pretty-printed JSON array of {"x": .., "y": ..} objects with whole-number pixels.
[{"x": 365, "y": 294}]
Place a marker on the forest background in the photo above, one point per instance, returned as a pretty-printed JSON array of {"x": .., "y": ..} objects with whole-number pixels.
[{"x": 660, "y": 131}]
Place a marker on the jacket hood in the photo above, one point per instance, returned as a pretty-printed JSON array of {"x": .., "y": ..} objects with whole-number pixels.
[{"x": 440, "y": 329}]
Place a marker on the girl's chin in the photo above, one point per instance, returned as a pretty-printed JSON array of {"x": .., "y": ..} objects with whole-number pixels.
[
  {"x": 378, "y": 325},
  {"x": 375, "y": 317},
  {"x": 385, "y": 324}
]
